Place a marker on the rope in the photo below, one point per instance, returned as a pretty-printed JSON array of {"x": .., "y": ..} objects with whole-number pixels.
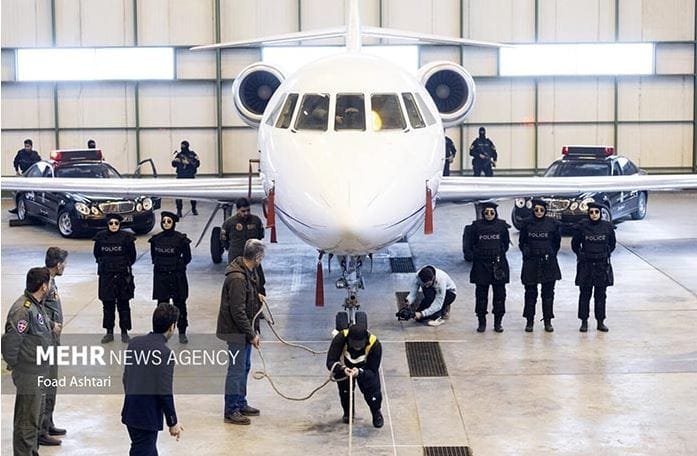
[{"x": 350, "y": 432}]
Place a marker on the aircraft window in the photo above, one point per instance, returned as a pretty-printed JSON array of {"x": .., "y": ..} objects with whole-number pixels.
[
  {"x": 287, "y": 112},
  {"x": 387, "y": 115},
  {"x": 274, "y": 113},
  {"x": 314, "y": 111},
  {"x": 413, "y": 111},
  {"x": 428, "y": 116},
  {"x": 350, "y": 112}
]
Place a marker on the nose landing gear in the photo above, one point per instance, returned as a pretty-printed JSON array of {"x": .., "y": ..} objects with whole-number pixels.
[{"x": 351, "y": 280}]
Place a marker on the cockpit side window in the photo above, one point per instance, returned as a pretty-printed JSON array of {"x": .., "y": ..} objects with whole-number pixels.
[
  {"x": 287, "y": 111},
  {"x": 386, "y": 112},
  {"x": 274, "y": 113},
  {"x": 314, "y": 112},
  {"x": 412, "y": 111},
  {"x": 350, "y": 112},
  {"x": 428, "y": 117}
]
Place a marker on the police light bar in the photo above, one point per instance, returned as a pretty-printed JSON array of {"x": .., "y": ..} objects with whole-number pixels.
[
  {"x": 66, "y": 155},
  {"x": 588, "y": 151}
]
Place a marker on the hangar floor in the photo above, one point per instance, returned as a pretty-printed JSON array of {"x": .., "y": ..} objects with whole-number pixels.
[{"x": 630, "y": 391}]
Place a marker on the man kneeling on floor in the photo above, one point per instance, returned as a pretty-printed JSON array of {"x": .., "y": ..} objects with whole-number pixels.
[
  {"x": 356, "y": 354},
  {"x": 439, "y": 292}
]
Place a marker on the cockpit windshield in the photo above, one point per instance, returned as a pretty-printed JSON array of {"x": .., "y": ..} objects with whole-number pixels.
[
  {"x": 350, "y": 112},
  {"x": 386, "y": 112},
  {"x": 314, "y": 111}
]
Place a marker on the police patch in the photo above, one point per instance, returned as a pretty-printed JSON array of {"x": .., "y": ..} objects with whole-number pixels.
[
  {"x": 40, "y": 319},
  {"x": 239, "y": 227},
  {"x": 22, "y": 326}
]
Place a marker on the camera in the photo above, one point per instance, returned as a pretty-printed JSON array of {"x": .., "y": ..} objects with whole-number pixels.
[{"x": 406, "y": 313}]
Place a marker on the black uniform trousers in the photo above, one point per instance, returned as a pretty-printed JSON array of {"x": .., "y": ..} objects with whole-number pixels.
[
  {"x": 547, "y": 300},
  {"x": 481, "y": 294},
  {"x": 482, "y": 167},
  {"x": 49, "y": 401},
  {"x": 430, "y": 296},
  {"x": 143, "y": 442},
  {"x": 124, "y": 308},
  {"x": 27, "y": 416},
  {"x": 369, "y": 384},
  {"x": 584, "y": 299},
  {"x": 180, "y": 304},
  {"x": 180, "y": 205}
]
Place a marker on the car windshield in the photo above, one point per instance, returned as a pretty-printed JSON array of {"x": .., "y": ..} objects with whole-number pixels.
[
  {"x": 94, "y": 170},
  {"x": 577, "y": 169}
]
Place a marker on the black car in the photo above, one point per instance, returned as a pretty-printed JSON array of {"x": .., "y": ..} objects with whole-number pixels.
[
  {"x": 75, "y": 213},
  {"x": 579, "y": 161}
]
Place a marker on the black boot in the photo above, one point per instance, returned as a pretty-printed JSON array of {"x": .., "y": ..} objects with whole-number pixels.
[
  {"x": 529, "y": 324},
  {"x": 584, "y": 326},
  {"x": 125, "y": 338},
  {"x": 602, "y": 327},
  {"x": 378, "y": 421},
  {"x": 548, "y": 325},
  {"x": 497, "y": 323},
  {"x": 183, "y": 339},
  {"x": 108, "y": 337},
  {"x": 482, "y": 324}
]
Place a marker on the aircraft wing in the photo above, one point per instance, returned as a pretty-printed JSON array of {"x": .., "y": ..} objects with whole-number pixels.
[
  {"x": 460, "y": 188},
  {"x": 423, "y": 38},
  {"x": 279, "y": 39},
  {"x": 212, "y": 189}
]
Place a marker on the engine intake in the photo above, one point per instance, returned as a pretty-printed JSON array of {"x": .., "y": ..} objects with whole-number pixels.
[
  {"x": 452, "y": 89},
  {"x": 252, "y": 90}
]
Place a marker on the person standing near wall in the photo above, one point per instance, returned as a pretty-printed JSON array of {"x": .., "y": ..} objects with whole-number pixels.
[
  {"x": 483, "y": 153},
  {"x": 186, "y": 162}
]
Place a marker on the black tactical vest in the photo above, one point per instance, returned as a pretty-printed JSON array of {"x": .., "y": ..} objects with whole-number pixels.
[
  {"x": 595, "y": 241},
  {"x": 166, "y": 252},
  {"x": 540, "y": 233},
  {"x": 489, "y": 240},
  {"x": 111, "y": 253}
]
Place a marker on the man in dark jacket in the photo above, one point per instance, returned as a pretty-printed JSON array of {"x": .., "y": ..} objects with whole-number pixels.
[
  {"x": 238, "y": 325},
  {"x": 26, "y": 329},
  {"x": 593, "y": 242},
  {"x": 450, "y": 152},
  {"x": 25, "y": 157},
  {"x": 186, "y": 161},
  {"x": 55, "y": 262},
  {"x": 356, "y": 354},
  {"x": 148, "y": 385},
  {"x": 170, "y": 253},
  {"x": 483, "y": 153},
  {"x": 238, "y": 229},
  {"x": 115, "y": 253},
  {"x": 539, "y": 241},
  {"x": 488, "y": 242}
]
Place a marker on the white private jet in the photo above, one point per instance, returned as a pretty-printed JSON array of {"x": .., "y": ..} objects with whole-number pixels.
[{"x": 352, "y": 149}]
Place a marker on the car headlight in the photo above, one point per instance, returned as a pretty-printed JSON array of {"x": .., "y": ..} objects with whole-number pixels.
[
  {"x": 573, "y": 206},
  {"x": 584, "y": 204},
  {"x": 95, "y": 210},
  {"x": 147, "y": 204},
  {"x": 520, "y": 203},
  {"x": 139, "y": 207},
  {"x": 528, "y": 204},
  {"x": 82, "y": 208}
]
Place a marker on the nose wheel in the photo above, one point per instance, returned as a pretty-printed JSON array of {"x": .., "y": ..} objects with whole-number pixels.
[{"x": 351, "y": 280}]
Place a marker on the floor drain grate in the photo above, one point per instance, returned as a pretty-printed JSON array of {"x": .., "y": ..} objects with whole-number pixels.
[
  {"x": 402, "y": 264},
  {"x": 402, "y": 295},
  {"x": 447, "y": 451},
  {"x": 425, "y": 359}
]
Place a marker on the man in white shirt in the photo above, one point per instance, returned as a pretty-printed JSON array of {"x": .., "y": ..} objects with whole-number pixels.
[{"x": 439, "y": 293}]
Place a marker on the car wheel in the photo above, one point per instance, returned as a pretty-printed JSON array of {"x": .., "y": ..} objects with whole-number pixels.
[
  {"x": 216, "y": 245},
  {"x": 640, "y": 212},
  {"x": 22, "y": 208},
  {"x": 65, "y": 225},
  {"x": 145, "y": 228}
]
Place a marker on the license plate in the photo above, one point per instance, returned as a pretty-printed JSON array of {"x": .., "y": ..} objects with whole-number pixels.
[{"x": 127, "y": 218}]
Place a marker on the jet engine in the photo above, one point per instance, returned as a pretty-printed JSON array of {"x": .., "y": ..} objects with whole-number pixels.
[
  {"x": 253, "y": 89},
  {"x": 452, "y": 89}
]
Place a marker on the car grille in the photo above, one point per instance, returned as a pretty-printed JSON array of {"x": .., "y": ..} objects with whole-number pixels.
[
  {"x": 557, "y": 204},
  {"x": 117, "y": 207}
]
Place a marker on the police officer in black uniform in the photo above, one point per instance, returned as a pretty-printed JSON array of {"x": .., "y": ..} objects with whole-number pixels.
[
  {"x": 115, "y": 253},
  {"x": 539, "y": 241},
  {"x": 356, "y": 354},
  {"x": 238, "y": 229},
  {"x": 170, "y": 253},
  {"x": 488, "y": 242},
  {"x": 484, "y": 156},
  {"x": 593, "y": 242},
  {"x": 27, "y": 328},
  {"x": 450, "y": 152},
  {"x": 25, "y": 157},
  {"x": 186, "y": 161}
]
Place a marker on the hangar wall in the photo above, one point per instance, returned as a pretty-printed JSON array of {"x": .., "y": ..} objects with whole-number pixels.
[{"x": 650, "y": 119}]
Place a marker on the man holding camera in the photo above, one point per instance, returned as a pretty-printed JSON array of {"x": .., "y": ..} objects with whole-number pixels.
[{"x": 439, "y": 293}]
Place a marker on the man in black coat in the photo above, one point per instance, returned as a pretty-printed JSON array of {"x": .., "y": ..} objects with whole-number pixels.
[
  {"x": 483, "y": 153},
  {"x": 25, "y": 157},
  {"x": 186, "y": 162},
  {"x": 170, "y": 253},
  {"x": 115, "y": 253},
  {"x": 539, "y": 241},
  {"x": 240, "y": 228},
  {"x": 450, "y": 152},
  {"x": 356, "y": 354},
  {"x": 488, "y": 242},
  {"x": 148, "y": 385},
  {"x": 593, "y": 242}
]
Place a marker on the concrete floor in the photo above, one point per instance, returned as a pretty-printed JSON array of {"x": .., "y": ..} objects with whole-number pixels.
[{"x": 630, "y": 391}]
